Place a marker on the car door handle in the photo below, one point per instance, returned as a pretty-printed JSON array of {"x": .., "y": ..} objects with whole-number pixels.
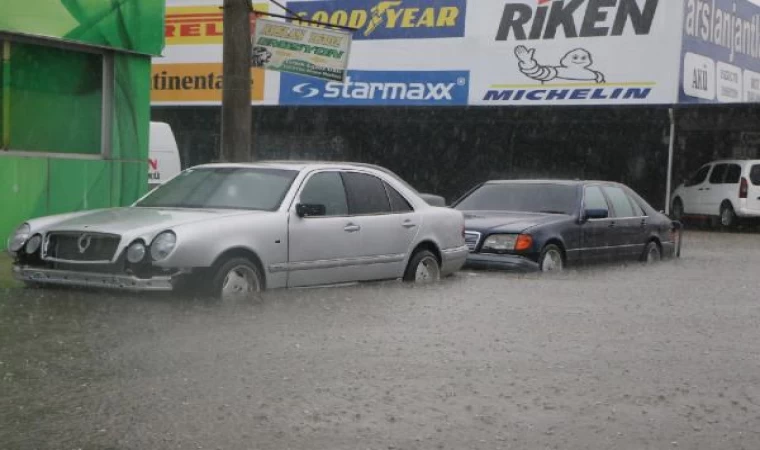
[
  {"x": 351, "y": 228},
  {"x": 408, "y": 224},
  {"x": 612, "y": 224}
]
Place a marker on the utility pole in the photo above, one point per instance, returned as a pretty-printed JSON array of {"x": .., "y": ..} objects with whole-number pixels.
[{"x": 236, "y": 82}]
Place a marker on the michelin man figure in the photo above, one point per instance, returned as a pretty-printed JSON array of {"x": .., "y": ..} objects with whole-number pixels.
[{"x": 574, "y": 66}]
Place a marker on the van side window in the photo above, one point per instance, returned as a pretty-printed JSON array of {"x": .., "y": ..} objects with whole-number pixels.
[
  {"x": 733, "y": 174},
  {"x": 699, "y": 177},
  {"x": 718, "y": 173}
]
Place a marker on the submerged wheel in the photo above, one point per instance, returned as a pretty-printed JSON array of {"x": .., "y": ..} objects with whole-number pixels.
[
  {"x": 677, "y": 209},
  {"x": 727, "y": 216},
  {"x": 423, "y": 268},
  {"x": 551, "y": 259},
  {"x": 652, "y": 253},
  {"x": 237, "y": 279}
]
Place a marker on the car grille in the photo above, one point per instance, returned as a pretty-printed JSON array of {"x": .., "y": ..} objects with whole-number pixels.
[
  {"x": 472, "y": 239},
  {"x": 81, "y": 246}
]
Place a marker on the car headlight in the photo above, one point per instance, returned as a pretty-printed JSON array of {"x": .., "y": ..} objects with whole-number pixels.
[
  {"x": 33, "y": 244},
  {"x": 136, "y": 252},
  {"x": 163, "y": 245},
  {"x": 19, "y": 237},
  {"x": 499, "y": 243}
]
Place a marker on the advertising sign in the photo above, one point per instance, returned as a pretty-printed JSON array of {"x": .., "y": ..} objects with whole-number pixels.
[
  {"x": 542, "y": 52},
  {"x": 389, "y": 19},
  {"x": 362, "y": 88},
  {"x": 194, "y": 25},
  {"x": 314, "y": 52},
  {"x": 199, "y": 83},
  {"x": 721, "y": 52}
]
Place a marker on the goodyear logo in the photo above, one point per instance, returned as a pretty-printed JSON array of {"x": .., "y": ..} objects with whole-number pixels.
[
  {"x": 196, "y": 25},
  {"x": 389, "y": 19}
]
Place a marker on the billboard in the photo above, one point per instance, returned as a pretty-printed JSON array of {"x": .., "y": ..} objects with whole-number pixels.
[
  {"x": 491, "y": 53},
  {"x": 574, "y": 52},
  {"x": 721, "y": 52}
]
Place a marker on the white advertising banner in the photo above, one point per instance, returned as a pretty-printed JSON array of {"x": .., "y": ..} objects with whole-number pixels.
[{"x": 574, "y": 52}]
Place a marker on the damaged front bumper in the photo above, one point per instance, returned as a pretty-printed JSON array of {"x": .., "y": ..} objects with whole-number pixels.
[{"x": 34, "y": 275}]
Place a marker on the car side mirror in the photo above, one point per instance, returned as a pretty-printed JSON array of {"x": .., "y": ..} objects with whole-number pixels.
[
  {"x": 310, "y": 210},
  {"x": 597, "y": 214},
  {"x": 433, "y": 200}
]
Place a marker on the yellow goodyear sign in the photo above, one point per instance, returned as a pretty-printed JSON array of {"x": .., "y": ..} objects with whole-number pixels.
[
  {"x": 193, "y": 25},
  {"x": 389, "y": 19},
  {"x": 196, "y": 82}
]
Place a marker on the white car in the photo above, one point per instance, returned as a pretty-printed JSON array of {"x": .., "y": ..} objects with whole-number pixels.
[
  {"x": 233, "y": 229},
  {"x": 727, "y": 189}
]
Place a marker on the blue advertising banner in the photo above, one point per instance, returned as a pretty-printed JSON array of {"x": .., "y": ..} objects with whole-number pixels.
[
  {"x": 372, "y": 88},
  {"x": 721, "y": 52},
  {"x": 384, "y": 19}
]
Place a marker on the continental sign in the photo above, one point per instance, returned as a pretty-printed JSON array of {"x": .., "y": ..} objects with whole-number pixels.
[
  {"x": 193, "y": 25},
  {"x": 183, "y": 83},
  {"x": 389, "y": 19}
]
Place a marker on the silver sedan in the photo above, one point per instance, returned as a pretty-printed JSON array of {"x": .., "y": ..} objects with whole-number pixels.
[{"x": 235, "y": 229}]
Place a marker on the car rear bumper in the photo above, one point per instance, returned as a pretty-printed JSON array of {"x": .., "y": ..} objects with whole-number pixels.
[
  {"x": 513, "y": 263},
  {"x": 453, "y": 259},
  {"x": 747, "y": 213},
  {"x": 91, "y": 280}
]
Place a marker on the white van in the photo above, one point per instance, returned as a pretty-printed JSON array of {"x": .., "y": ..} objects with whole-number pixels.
[
  {"x": 163, "y": 159},
  {"x": 728, "y": 189}
]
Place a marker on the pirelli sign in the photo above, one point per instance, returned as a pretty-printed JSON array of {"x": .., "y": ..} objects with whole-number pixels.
[{"x": 194, "y": 25}]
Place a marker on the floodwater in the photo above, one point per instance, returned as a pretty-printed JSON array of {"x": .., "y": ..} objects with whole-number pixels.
[{"x": 618, "y": 357}]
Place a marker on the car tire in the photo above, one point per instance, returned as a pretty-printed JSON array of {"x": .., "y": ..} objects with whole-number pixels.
[
  {"x": 677, "y": 210},
  {"x": 727, "y": 216},
  {"x": 236, "y": 279},
  {"x": 552, "y": 259},
  {"x": 652, "y": 253},
  {"x": 423, "y": 268}
]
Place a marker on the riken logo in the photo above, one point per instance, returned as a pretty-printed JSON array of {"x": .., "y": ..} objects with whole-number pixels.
[
  {"x": 376, "y": 87},
  {"x": 575, "y": 18}
]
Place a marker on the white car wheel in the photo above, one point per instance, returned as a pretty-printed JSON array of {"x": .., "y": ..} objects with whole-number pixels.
[
  {"x": 423, "y": 268},
  {"x": 237, "y": 279},
  {"x": 551, "y": 259}
]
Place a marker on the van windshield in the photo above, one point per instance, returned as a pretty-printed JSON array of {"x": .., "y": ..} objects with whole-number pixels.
[{"x": 754, "y": 175}]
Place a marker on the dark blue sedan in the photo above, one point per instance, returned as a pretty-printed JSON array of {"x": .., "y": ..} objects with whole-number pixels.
[{"x": 546, "y": 225}]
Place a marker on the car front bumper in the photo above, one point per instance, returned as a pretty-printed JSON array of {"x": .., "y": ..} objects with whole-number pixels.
[
  {"x": 91, "y": 280},
  {"x": 513, "y": 263}
]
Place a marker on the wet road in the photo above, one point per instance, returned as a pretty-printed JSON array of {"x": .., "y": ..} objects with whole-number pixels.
[{"x": 625, "y": 358}]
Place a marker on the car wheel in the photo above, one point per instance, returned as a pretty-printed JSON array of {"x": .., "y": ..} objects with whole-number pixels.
[
  {"x": 652, "y": 253},
  {"x": 677, "y": 209},
  {"x": 727, "y": 216},
  {"x": 237, "y": 279},
  {"x": 423, "y": 268},
  {"x": 551, "y": 259}
]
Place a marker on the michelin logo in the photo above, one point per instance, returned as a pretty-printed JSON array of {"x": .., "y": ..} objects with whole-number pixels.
[{"x": 379, "y": 88}]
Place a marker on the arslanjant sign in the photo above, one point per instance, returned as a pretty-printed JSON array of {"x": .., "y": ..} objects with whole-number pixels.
[{"x": 474, "y": 52}]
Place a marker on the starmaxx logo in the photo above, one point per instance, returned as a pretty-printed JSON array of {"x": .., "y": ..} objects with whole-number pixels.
[
  {"x": 378, "y": 88},
  {"x": 388, "y": 19}
]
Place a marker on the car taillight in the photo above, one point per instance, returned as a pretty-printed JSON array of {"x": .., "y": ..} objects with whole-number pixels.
[{"x": 743, "y": 188}]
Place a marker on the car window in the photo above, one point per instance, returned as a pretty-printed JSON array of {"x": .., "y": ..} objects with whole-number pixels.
[
  {"x": 223, "y": 188},
  {"x": 699, "y": 177},
  {"x": 398, "y": 202},
  {"x": 326, "y": 188},
  {"x": 594, "y": 199},
  {"x": 733, "y": 173},
  {"x": 754, "y": 174},
  {"x": 545, "y": 198},
  {"x": 366, "y": 194},
  {"x": 718, "y": 173},
  {"x": 638, "y": 211},
  {"x": 620, "y": 202}
]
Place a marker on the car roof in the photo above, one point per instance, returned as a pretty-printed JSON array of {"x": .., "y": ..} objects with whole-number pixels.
[
  {"x": 297, "y": 165},
  {"x": 550, "y": 181},
  {"x": 734, "y": 161}
]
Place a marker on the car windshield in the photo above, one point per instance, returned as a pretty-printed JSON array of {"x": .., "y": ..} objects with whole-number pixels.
[
  {"x": 223, "y": 188},
  {"x": 524, "y": 197}
]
